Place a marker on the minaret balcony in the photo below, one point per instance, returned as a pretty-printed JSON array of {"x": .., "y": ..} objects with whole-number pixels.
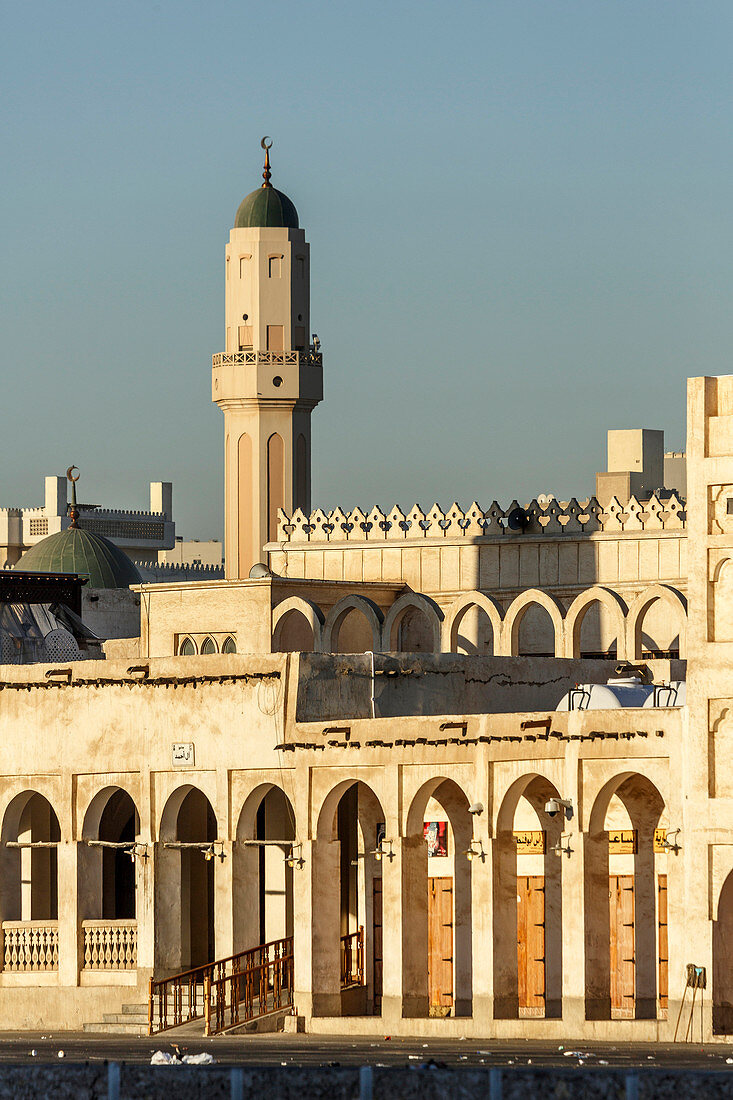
[{"x": 268, "y": 375}]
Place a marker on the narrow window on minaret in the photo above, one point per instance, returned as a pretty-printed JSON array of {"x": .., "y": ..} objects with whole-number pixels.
[
  {"x": 244, "y": 266},
  {"x": 275, "y": 337},
  {"x": 300, "y": 266},
  {"x": 245, "y": 337},
  {"x": 275, "y": 267}
]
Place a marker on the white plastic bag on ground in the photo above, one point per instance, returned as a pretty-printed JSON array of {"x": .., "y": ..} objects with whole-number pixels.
[
  {"x": 164, "y": 1058},
  {"x": 203, "y": 1059}
]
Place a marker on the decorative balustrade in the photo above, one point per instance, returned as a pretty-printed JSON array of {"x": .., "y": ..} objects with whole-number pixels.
[
  {"x": 352, "y": 958},
  {"x": 553, "y": 519},
  {"x": 110, "y": 944},
  {"x": 30, "y": 945},
  {"x": 268, "y": 358}
]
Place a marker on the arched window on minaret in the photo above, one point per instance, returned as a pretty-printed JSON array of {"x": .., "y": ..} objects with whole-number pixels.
[
  {"x": 275, "y": 482},
  {"x": 301, "y": 473}
]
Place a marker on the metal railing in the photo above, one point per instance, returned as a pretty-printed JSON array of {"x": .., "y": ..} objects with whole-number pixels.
[
  {"x": 263, "y": 983},
  {"x": 183, "y": 997},
  {"x": 352, "y": 958},
  {"x": 268, "y": 358}
]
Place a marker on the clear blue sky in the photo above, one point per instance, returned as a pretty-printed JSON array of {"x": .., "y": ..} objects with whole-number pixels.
[{"x": 519, "y": 214}]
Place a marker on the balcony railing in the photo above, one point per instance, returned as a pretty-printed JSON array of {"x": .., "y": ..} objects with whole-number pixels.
[
  {"x": 352, "y": 959},
  {"x": 110, "y": 944},
  {"x": 268, "y": 358},
  {"x": 30, "y": 945}
]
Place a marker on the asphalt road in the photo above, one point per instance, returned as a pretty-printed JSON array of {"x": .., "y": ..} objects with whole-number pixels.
[{"x": 278, "y": 1049}]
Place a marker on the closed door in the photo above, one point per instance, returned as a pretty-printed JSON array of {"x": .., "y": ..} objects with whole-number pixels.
[
  {"x": 440, "y": 942},
  {"x": 377, "y": 943},
  {"x": 531, "y": 944},
  {"x": 623, "y": 963},
  {"x": 663, "y": 945}
]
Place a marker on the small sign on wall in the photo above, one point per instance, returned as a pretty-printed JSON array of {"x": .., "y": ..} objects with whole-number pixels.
[
  {"x": 183, "y": 754},
  {"x": 436, "y": 835},
  {"x": 530, "y": 843},
  {"x": 622, "y": 842}
]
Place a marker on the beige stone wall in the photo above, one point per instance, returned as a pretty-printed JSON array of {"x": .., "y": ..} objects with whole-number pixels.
[{"x": 113, "y": 727}]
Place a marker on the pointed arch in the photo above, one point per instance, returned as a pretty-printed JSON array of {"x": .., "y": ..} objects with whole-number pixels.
[
  {"x": 454, "y": 616},
  {"x": 676, "y": 602},
  {"x": 417, "y": 602},
  {"x": 611, "y": 602},
  {"x": 335, "y": 617},
  {"x": 298, "y": 605},
  {"x": 518, "y": 609}
]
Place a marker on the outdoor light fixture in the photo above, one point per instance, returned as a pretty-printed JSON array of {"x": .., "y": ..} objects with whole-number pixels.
[
  {"x": 295, "y": 860},
  {"x": 211, "y": 853},
  {"x": 475, "y": 851},
  {"x": 670, "y": 846},
  {"x": 561, "y": 849},
  {"x": 137, "y": 851},
  {"x": 383, "y": 851}
]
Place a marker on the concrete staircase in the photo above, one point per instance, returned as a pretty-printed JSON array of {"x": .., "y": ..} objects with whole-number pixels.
[{"x": 130, "y": 1020}]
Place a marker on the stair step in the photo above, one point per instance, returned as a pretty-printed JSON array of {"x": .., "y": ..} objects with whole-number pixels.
[
  {"x": 117, "y": 1029},
  {"x": 139, "y": 1018},
  {"x": 135, "y": 1010}
]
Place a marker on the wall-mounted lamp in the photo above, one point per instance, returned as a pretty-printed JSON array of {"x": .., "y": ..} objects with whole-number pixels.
[
  {"x": 212, "y": 853},
  {"x": 476, "y": 808},
  {"x": 475, "y": 851},
  {"x": 383, "y": 851},
  {"x": 670, "y": 846},
  {"x": 137, "y": 851},
  {"x": 561, "y": 849},
  {"x": 294, "y": 858}
]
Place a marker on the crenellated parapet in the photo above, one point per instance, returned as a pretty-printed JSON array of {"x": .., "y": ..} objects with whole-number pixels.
[{"x": 551, "y": 519}]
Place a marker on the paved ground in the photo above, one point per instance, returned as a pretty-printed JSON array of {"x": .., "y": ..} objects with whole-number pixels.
[{"x": 278, "y": 1049}]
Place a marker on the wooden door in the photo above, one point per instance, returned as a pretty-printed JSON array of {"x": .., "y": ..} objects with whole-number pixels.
[
  {"x": 440, "y": 942},
  {"x": 531, "y": 944},
  {"x": 623, "y": 964},
  {"x": 377, "y": 943},
  {"x": 663, "y": 945}
]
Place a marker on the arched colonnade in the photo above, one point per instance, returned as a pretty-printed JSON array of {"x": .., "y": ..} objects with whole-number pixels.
[
  {"x": 598, "y": 622},
  {"x": 452, "y": 906}
]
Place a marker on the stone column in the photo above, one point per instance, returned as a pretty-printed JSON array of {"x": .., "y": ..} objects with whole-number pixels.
[
  {"x": 405, "y": 930},
  {"x": 223, "y": 901},
  {"x": 70, "y": 946},
  {"x": 483, "y": 943}
]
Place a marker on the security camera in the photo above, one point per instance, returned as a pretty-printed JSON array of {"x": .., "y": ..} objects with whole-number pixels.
[
  {"x": 476, "y": 808},
  {"x": 554, "y": 806}
]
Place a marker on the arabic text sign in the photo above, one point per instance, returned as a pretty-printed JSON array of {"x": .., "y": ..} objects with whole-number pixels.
[
  {"x": 530, "y": 843},
  {"x": 182, "y": 754}
]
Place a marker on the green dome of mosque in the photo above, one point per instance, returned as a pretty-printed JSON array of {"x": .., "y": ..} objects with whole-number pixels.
[
  {"x": 266, "y": 208},
  {"x": 77, "y": 551}
]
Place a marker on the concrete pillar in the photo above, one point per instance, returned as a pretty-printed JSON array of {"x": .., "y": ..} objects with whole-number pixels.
[
  {"x": 482, "y": 902},
  {"x": 245, "y": 897},
  {"x": 326, "y": 921},
  {"x": 409, "y": 921},
  {"x": 70, "y": 942},
  {"x": 165, "y": 870},
  {"x": 573, "y": 934},
  {"x": 504, "y": 869},
  {"x": 224, "y": 901}
]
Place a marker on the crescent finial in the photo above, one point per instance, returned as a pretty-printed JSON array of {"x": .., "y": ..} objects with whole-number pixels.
[{"x": 267, "y": 173}]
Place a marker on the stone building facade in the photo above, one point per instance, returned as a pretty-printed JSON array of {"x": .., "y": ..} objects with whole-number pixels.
[{"x": 363, "y": 752}]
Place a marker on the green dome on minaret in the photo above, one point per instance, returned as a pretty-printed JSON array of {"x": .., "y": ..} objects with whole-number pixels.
[
  {"x": 266, "y": 208},
  {"x": 78, "y": 551}
]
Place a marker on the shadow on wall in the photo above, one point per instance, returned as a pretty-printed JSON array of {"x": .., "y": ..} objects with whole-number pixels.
[{"x": 336, "y": 686}]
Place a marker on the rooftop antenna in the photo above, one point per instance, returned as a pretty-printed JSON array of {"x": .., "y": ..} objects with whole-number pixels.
[
  {"x": 267, "y": 173},
  {"x": 74, "y": 510}
]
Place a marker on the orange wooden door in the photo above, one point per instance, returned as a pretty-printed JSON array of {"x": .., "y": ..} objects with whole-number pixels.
[
  {"x": 531, "y": 944},
  {"x": 377, "y": 943},
  {"x": 440, "y": 942},
  {"x": 663, "y": 945},
  {"x": 623, "y": 964}
]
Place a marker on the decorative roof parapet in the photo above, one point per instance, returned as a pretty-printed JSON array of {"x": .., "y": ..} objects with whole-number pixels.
[{"x": 553, "y": 519}]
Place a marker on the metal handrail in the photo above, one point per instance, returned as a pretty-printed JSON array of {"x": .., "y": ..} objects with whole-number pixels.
[
  {"x": 257, "y": 989},
  {"x": 178, "y": 999},
  {"x": 352, "y": 958}
]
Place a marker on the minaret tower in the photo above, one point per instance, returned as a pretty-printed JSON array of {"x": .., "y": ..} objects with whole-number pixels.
[{"x": 270, "y": 378}]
